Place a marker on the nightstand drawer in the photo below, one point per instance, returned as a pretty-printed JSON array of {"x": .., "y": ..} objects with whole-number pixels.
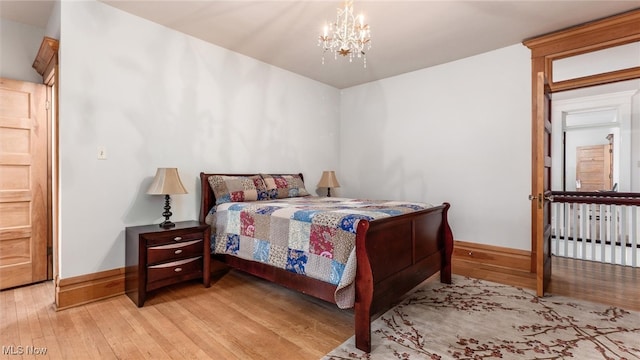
[
  {"x": 172, "y": 237},
  {"x": 179, "y": 250},
  {"x": 174, "y": 269}
]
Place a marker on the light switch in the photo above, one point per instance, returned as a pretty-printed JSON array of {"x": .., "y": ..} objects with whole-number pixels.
[{"x": 102, "y": 153}]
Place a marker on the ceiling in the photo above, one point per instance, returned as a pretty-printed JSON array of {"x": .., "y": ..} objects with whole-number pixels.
[{"x": 406, "y": 35}]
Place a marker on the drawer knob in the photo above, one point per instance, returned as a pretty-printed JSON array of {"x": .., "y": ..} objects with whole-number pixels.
[
  {"x": 177, "y": 269},
  {"x": 178, "y": 252},
  {"x": 177, "y": 238}
]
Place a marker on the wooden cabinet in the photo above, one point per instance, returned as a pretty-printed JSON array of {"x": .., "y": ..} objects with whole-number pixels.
[{"x": 157, "y": 257}]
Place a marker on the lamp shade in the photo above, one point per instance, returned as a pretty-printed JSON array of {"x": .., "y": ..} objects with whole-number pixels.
[
  {"x": 166, "y": 182},
  {"x": 328, "y": 180}
]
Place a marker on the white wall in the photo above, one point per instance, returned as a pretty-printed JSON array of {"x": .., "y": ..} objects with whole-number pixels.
[
  {"x": 158, "y": 98},
  {"x": 52, "y": 29},
  {"x": 459, "y": 132},
  {"x": 19, "y": 44},
  {"x": 597, "y": 62}
]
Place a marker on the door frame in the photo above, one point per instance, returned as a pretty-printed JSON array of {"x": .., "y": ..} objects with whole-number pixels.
[
  {"x": 597, "y": 35},
  {"x": 46, "y": 64}
]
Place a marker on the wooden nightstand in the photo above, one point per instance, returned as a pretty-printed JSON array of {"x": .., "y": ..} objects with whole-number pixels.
[{"x": 157, "y": 257}]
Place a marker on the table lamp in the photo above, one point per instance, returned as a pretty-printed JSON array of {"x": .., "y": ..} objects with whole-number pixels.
[
  {"x": 329, "y": 181},
  {"x": 166, "y": 182}
]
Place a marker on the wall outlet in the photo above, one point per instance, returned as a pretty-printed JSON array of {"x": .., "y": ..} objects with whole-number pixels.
[{"x": 102, "y": 153}]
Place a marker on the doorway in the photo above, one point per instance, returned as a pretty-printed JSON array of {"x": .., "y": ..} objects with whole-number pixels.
[
  {"x": 28, "y": 174},
  {"x": 549, "y": 54},
  {"x": 46, "y": 64},
  {"x": 597, "y": 116}
]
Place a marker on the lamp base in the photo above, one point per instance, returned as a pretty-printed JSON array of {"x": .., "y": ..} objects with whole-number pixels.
[{"x": 167, "y": 224}]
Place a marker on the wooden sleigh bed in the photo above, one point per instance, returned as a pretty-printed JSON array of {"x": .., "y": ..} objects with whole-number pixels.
[{"x": 393, "y": 255}]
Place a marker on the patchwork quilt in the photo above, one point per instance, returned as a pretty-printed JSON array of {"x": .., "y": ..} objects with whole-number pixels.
[{"x": 312, "y": 236}]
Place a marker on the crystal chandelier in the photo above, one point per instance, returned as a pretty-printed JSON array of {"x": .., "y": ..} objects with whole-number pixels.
[{"x": 348, "y": 36}]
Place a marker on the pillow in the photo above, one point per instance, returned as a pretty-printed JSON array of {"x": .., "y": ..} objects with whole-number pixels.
[
  {"x": 227, "y": 188},
  {"x": 284, "y": 186}
]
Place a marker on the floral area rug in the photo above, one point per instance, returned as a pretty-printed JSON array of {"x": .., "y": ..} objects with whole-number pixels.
[{"x": 477, "y": 319}]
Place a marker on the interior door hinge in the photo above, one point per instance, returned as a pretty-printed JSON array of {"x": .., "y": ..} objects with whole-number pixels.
[
  {"x": 49, "y": 250},
  {"x": 47, "y": 104}
]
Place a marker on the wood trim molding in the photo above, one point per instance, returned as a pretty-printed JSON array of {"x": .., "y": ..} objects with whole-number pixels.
[
  {"x": 88, "y": 288},
  {"x": 46, "y": 64},
  {"x": 47, "y": 58},
  {"x": 593, "y": 36},
  {"x": 597, "y": 79},
  {"x": 497, "y": 256},
  {"x": 84, "y": 289}
]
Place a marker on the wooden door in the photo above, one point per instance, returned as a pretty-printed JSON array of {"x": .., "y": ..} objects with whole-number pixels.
[
  {"x": 24, "y": 191},
  {"x": 541, "y": 184},
  {"x": 593, "y": 168}
]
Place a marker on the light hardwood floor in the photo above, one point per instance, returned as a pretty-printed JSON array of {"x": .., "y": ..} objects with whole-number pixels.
[
  {"x": 239, "y": 317},
  {"x": 586, "y": 280}
]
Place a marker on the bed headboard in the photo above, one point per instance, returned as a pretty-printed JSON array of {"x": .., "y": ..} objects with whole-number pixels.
[{"x": 208, "y": 199}]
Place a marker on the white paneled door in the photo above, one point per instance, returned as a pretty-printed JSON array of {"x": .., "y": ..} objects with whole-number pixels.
[{"x": 24, "y": 191}]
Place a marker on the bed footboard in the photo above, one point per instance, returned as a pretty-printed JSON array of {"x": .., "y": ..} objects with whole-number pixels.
[{"x": 395, "y": 255}]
